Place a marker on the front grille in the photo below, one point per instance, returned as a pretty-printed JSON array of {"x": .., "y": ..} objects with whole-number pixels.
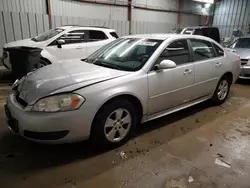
[
  {"x": 22, "y": 102},
  {"x": 244, "y": 61}
]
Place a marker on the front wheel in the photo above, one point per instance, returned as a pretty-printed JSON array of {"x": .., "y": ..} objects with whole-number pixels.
[
  {"x": 222, "y": 90},
  {"x": 114, "y": 123}
]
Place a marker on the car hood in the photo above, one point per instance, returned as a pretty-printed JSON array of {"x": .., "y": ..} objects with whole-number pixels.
[
  {"x": 62, "y": 77},
  {"x": 25, "y": 42},
  {"x": 244, "y": 53}
]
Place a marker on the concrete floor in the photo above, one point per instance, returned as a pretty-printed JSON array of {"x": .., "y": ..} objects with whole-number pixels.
[{"x": 177, "y": 151}]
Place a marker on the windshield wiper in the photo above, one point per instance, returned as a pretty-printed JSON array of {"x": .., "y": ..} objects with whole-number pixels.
[{"x": 107, "y": 65}]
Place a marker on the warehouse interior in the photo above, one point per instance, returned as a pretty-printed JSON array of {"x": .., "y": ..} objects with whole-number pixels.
[{"x": 204, "y": 145}]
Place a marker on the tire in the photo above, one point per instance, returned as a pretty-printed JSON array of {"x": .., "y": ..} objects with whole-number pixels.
[
  {"x": 222, "y": 90},
  {"x": 109, "y": 128}
]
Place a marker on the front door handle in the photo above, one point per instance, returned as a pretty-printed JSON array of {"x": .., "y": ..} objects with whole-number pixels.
[
  {"x": 218, "y": 64},
  {"x": 187, "y": 72},
  {"x": 79, "y": 47}
]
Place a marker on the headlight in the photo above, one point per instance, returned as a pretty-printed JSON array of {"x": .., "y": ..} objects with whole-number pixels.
[{"x": 58, "y": 103}]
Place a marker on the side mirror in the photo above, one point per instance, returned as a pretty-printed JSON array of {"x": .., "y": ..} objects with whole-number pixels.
[
  {"x": 60, "y": 42},
  {"x": 165, "y": 64}
]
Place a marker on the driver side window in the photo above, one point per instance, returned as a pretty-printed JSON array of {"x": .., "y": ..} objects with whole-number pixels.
[{"x": 177, "y": 51}]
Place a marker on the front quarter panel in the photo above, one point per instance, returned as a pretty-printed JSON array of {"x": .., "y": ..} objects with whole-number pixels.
[
  {"x": 232, "y": 61},
  {"x": 97, "y": 95}
]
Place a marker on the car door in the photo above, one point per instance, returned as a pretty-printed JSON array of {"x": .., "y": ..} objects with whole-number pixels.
[
  {"x": 205, "y": 62},
  {"x": 171, "y": 87},
  {"x": 74, "y": 47},
  {"x": 95, "y": 40}
]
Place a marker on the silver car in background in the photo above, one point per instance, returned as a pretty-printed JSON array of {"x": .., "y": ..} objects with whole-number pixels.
[
  {"x": 132, "y": 80},
  {"x": 242, "y": 47}
]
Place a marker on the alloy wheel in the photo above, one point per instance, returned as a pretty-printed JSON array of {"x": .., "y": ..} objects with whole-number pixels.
[{"x": 117, "y": 125}]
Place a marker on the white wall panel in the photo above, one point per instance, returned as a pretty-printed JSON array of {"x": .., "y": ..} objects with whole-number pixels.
[
  {"x": 153, "y": 16},
  {"x": 163, "y": 4},
  {"x": 31, "y": 6},
  {"x": 87, "y": 10}
]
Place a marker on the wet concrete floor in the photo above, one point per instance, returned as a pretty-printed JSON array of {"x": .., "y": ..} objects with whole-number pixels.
[{"x": 202, "y": 146}]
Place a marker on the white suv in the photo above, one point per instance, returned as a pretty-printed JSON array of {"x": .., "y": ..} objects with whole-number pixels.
[{"x": 66, "y": 42}]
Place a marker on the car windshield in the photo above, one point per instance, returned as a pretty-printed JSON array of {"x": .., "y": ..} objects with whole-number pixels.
[
  {"x": 241, "y": 43},
  {"x": 48, "y": 35},
  {"x": 128, "y": 54},
  {"x": 177, "y": 30}
]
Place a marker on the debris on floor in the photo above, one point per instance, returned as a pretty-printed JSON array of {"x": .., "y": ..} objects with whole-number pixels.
[
  {"x": 222, "y": 163},
  {"x": 123, "y": 155},
  {"x": 190, "y": 179}
]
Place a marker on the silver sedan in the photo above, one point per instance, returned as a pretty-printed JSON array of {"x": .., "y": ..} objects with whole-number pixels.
[
  {"x": 242, "y": 47},
  {"x": 132, "y": 80}
]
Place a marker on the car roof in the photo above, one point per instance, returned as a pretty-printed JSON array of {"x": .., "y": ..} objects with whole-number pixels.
[
  {"x": 198, "y": 27},
  {"x": 167, "y": 36},
  {"x": 65, "y": 27}
]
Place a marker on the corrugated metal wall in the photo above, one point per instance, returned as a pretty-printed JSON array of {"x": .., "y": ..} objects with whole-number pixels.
[
  {"x": 94, "y": 11},
  {"x": 230, "y": 14},
  {"x": 31, "y": 6}
]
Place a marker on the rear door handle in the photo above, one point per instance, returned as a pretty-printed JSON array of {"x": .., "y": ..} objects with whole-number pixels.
[
  {"x": 187, "y": 72},
  {"x": 79, "y": 47},
  {"x": 218, "y": 64}
]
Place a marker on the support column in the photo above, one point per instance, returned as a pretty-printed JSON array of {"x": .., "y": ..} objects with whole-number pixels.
[
  {"x": 48, "y": 8},
  {"x": 179, "y": 13},
  {"x": 130, "y": 15}
]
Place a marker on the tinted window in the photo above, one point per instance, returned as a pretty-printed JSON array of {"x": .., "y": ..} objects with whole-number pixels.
[
  {"x": 96, "y": 35},
  {"x": 177, "y": 52},
  {"x": 113, "y": 34},
  {"x": 212, "y": 33},
  {"x": 198, "y": 32},
  {"x": 218, "y": 51},
  {"x": 76, "y": 36},
  {"x": 202, "y": 49}
]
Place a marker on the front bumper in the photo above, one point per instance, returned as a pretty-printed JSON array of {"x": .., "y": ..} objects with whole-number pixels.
[
  {"x": 54, "y": 128},
  {"x": 245, "y": 72}
]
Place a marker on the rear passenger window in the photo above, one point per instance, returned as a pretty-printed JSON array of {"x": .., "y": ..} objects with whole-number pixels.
[
  {"x": 177, "y": 52},
  {"x": 113, "y": 34},
  {"x": 198, "y": 32},
  {"x": 218, "y": 51},
  {"x": 202, "y": 49},
  {"x": 96, "y": 35}
]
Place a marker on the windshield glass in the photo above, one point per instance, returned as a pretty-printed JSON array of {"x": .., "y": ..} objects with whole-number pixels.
[
  {"x": 129, "y": 54},
  {"x": 47, "y": 35},
  {"x": 177, "y": 30},
  {"x": 241, "y": 43}
]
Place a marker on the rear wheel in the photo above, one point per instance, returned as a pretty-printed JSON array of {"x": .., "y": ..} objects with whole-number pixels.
[
  {"x": 114, "y": 124},
  {"x": 222, "y": 90}
]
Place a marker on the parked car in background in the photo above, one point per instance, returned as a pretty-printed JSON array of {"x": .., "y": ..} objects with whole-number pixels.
[
  {"x": 242, "y": 47},
  {"x": 64, "y": 42},
  {"x": 211, "y": 32},
  {"x": 131, "y": 80}
]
